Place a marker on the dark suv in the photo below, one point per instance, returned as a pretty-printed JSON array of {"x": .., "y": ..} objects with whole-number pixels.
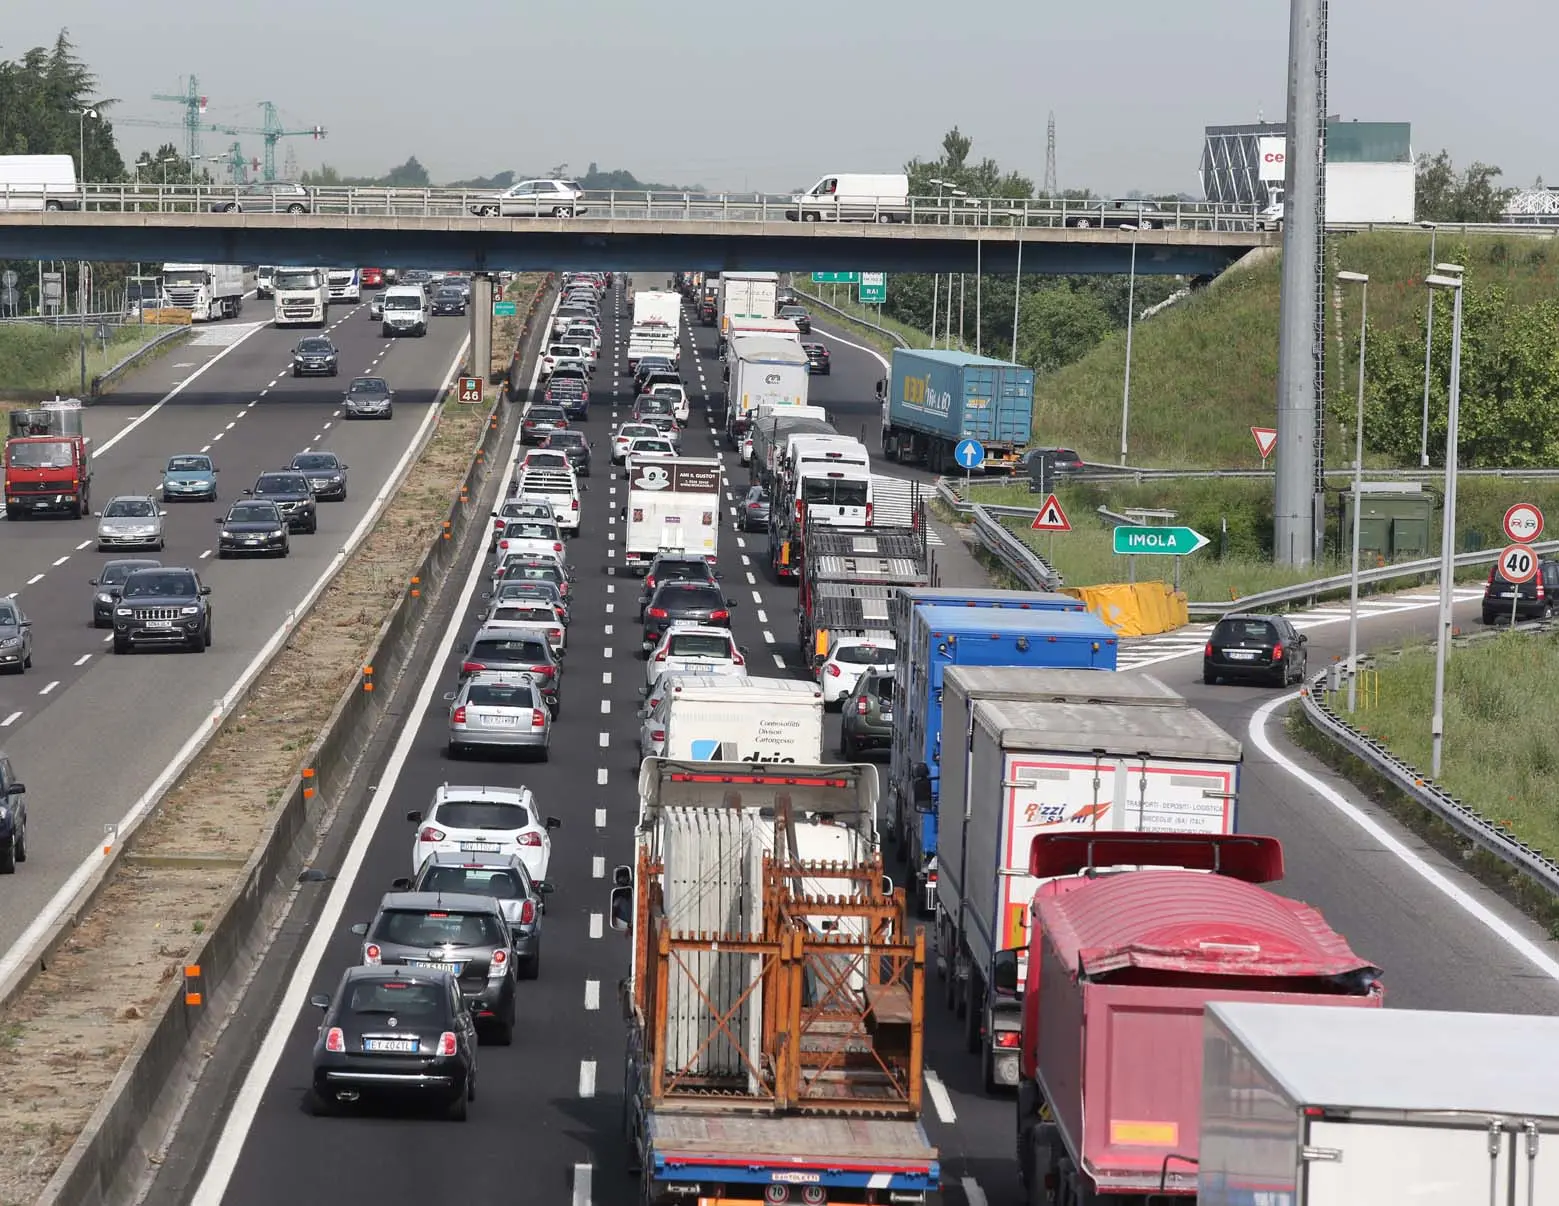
[
  {"x": 1531, "y": 600},
  {"x": 163, "y": 606},
  {"x": 290, "y": 492},
  {"x": 1266, "y": 648},
  {"x": 13, "y": 818},
  {"x": 682, "y": 602},
  {"x": 866, "y": 722}
]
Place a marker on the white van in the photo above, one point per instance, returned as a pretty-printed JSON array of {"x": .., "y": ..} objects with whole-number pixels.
[
  {"x": 854, "y": 197},
  {"x": 405, "y": 311},
  {"x": 557, "y": 487},
  {"x": 38, "y": 182}
]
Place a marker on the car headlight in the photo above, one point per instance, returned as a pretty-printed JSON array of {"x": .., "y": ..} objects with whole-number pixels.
[
  {"x": 275, "y": 532},
  {"x": 10, "y": 642},
  {"x": 189, "y": 611},
  {"x": 228, "y": 535},
  {"x": 105, "y": 598},
  {"x": 121, "y": 611}
]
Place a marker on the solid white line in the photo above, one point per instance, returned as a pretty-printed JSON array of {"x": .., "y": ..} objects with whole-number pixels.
[
  {"x": 940, "y": 1098},
  {"x": 592, "y": 994},
  {"x": 582, "y": 1177},
  {"x": 219, "y": 1172},
  {"x": 1462, "y": 899},
  {"x": 973, "y": 1193},
  {"x": 587, "y": 1078},
  {"x": 595, "y": 925}
]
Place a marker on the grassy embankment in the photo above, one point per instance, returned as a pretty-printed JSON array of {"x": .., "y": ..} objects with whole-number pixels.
[{"x": 36, "y": 359}]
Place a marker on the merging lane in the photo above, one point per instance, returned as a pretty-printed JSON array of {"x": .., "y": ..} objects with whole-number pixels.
[{"x": 90, "y": 733}]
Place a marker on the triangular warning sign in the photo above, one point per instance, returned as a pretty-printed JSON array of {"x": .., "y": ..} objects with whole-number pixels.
[
  {"x": 1266, "y": 440},
  {"x": 1051, "y": 517}
]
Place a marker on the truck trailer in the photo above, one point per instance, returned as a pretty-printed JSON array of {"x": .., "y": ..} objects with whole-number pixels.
[
  {"x": 207, "y": 291},
  {"x": 746, "y": 295},
  {"x": 673, "y": 505},
  {"x": 774, "y": 1002},
  {"x": 761, "y": 372},
  {"x": 933, "y": 400},
  {"x": 734, "y": 718},
  {"x": 847, "y": 560},
  {"x": 1303, "y": 1106},
  {"x": 1130, "y": 938},
  {"x": 1026, "y": 752}
]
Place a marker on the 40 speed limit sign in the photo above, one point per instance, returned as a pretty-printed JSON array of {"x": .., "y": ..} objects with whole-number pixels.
[{"x": 1517, "y": 564}]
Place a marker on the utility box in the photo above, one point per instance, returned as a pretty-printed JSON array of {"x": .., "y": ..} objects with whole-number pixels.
[{"x": 1393, "y": 525}]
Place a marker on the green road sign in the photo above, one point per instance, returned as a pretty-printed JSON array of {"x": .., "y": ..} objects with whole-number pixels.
[
  {"x": 504, "y": 310},
  {"x": 1157, "y": 542},
  {"x": 874, "y": 288},
  {"x": 836, "y": 278}
]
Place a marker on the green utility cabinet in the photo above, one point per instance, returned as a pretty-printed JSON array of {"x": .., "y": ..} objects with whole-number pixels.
[{"x": 1393, "y": 526}]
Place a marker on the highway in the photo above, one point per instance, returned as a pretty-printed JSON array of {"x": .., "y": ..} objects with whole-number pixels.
[
  {"x": 77, "y": 726},
  {"x": 545, "y": 1125}
]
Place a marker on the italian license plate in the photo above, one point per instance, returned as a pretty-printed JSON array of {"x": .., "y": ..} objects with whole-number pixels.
[
  {"x": 480, "y": 847},
  {"x": 252, "y": 539},
  {"x": 159, "y": 623},
  {"x": 392, "y": 1046},
  {"x": 501, "y": 722},
  {"x": 437, "y": 965},
  {"x": 887, "y": 717},
  {"x": 1241, "y": 655}
]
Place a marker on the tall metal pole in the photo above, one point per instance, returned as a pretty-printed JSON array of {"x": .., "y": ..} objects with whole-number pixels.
[
  {"x": 1423, "y": 439},
  {"x": 936, "y": 294},
  {"x": 947, "y": 332},
  {"x": 1358, "y": 489},
  {"x": 1017, "y": 300},
  {"x": 1131, "y": 306},
  {"x": 1447, "y": 524},
  {"x": 960, "y": 311},
  {"x": 1299, "y": 346},
  {"x": 979, "y": 270}
]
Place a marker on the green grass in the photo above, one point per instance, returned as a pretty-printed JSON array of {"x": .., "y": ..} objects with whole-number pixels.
[
  {"x": 34, "y": 358},
  {"x": 838, "y": 297},
  {"x": 1498, "y": 755}
]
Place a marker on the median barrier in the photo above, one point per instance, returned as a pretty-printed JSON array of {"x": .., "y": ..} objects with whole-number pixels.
[
  {"x": 120, "y": 1141},
  {"x": 171, "y": 335}
]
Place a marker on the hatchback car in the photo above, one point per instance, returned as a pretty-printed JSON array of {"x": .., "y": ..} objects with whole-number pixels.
[
  {"x": 625, "y": 434},
  {"x": 266, "y": 197},
  {"x": 13, "y": 818},
  {"x": 534, "y": 198},
  {"x": 574, "y": 447},
  {"x": 799, "y": 316},
  {"x": 483, "y": 820},
  {"x": 752, "y": 513},
  {"x": 449, "y": 301},
  {"x": 685, "y": 602},
  {"x": 532, "y": 537},
  {"x": 253, "y": 527},
  {"x": 521, "y": 590},
  {"x": 818, "y": 359},
  {"x": 518, "y": 651},
  {"x": 466, "y": 936},
  {"x": 866, "y": 722},
  {"x": 678, "y": 567},
  {"x": 503, "y": 877},
  {"x": 1531, "y": 600},
  {"x": 107, "y": 585},
  {"x": 292, "y": 495},
  {"x": 131, "y": 521},
  {"x": 326, "y": 473},
  {"x": 495, "y": 709},
  {"x": 315, "y": 356},
  {"x": 1245, "y": 647},
  {"x": 393, "y": 1031},
  {"x": 15, "y": 639},
  {"x": 541, "y": 421},
  {"x": 189, "y": 476},
  {"x": 516, "y": 508},
  {"x": 851, "y": 657},
  {"x": 693, "y": 649},
  {"x": 535, "y": 613},
  {"x": 368, "y": 398}
]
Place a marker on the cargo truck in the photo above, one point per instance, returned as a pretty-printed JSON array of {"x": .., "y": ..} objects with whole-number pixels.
[
  {"x": 775, "y": 1048},
  {"x": 1130, "y": 938},
  {"x": 656, "y": 308},
  {"x": 768, "y": 441},
  {"x": 850, "y": 575},
  {"x": 745, "y": 295},
  {"x": 761, "y": 372},
  {"x": 302, "y": 297},
  {"x": 1026, "y": 752},
  {"x": 1305, "y": 1106},
  {"x": 207, "y": 291},
  {"x": 815, "y": 494},
  {"x": 734, "y": 718},
  {"x": 935, "y": 637},
  {"x": 48, "y": 463},
  {"x": 673, "y": 505},
  {"x": 345, "y": 285},
  {"x": 933, "y": 400}
]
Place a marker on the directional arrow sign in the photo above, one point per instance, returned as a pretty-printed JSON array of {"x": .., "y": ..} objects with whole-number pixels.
[
  {"x": 1266, "y": 440},
  {"x": 1157, "y": 542},
  {"x": 1051, "y": 517},
  {"x": 970, "y": 454}
]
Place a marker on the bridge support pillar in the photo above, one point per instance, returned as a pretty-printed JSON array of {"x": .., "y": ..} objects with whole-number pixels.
[{"x": 481, "y": 315}]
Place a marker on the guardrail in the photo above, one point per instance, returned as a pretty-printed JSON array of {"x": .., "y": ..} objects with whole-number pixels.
[
  {"x": 898, "y": 340},
  {"x": 1095, "y": 471},
  {"x": 1022, "y": 562},
  {"x": 135, "y": 357}
]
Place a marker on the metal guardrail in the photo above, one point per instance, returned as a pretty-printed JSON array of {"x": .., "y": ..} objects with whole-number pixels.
[
  {"x": 135, "y": 357},
  {"x": 1027, "y": 566},
  {"x": 1095, "y": 471},
  {"x": 898, "y": 340}
]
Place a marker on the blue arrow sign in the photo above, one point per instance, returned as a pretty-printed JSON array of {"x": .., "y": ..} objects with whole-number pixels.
[{"x": 970, "y": 454}]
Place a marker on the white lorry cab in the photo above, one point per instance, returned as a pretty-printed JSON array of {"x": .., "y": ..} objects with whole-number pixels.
[
  {"x": 207, "y": 291},
  {"x": 854, "y": 197},
  {"x": 302, "y": 297},
  {"x": 38, "y": 182},
  {"x": 673, "y": 504},
  {"x": 833, "y": 496},
  {"x": 346, "y": 285}
]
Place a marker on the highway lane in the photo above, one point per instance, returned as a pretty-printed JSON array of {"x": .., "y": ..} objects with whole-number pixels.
[{"x": 75, "y": 725}]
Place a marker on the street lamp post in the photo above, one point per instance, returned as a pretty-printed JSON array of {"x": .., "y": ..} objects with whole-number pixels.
[
  {"x": 1017, "y": 302},
  {"x": 81, "y": 142},
  {"x": 936, "y": 278},
  {"x": 1363, "y": 281},
  {"x": 1448, "y": 520},
  {"x": 1423, "y": 439},
  {"x": 1131, "y": 305}
]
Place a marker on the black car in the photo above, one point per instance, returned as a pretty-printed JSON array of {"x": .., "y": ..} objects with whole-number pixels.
[
  {"x": 15, "y": 637},
  {"x": 1265, "y": 648},
  {"x": 799, "y": 316},
  {"x": 13, "y": 818},
  {"x": 653, "y": 364},
  {"x": 163, "y": 606},
  {"x": 449, "y": 301},
  {"x": 866, "y": 722},
  {"x": 570, "y": 389},
  {"x": 292, "y": 496},
  {"x": 253, "y": 527},
  {"x": 503, "y": 877},
  {"x": 678, "y": 567},
  {"x": 786, "y": 296},
  {"x": 540, "y": 421},
  {"x": 108, "y": 581},
  {"x": 1531, "y": 600},
  {"x": 573, "y": 445},
  {"x": 315, "y": 356},
  {"x": 683, "y": 603},
  {"x": 326, "y": 473},
  {"x": 368, "y": 397},
  {"x": 394, "y": 1031},
  {"x": 644, "y": 382},
  {"x": 753, "y": 511},
  {"x": 818, "y": 360}
]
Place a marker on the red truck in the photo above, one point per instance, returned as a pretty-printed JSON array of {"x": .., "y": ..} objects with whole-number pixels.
[
  {"x": 371, "y": 278},
  {"x": 1120, "y": 966},
  {"x": 47, "y": 474}
]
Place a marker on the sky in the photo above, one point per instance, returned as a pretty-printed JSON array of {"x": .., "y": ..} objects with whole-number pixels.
[{"x": 771, "y": 97}]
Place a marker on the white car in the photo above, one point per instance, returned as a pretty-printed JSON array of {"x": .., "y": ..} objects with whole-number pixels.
[
  {"x": 529, "y": 613},
  {"x": 694, "y": 649},
  {"x": 745, "y": 456},
  {"x": 560, "y": 355},
  {"x": 586, "y": 338},
  {"x": 483, "y": 820},
  {"x": 533, "y": 199},
  {"x": 680, "y": 408},
  {"x": 642, "y": 448},
  {"x": 625, "y": 434},
  {"x": 517, "y": 508},
  {"x": 558, "y": 487},
  {"x": 852, "y": 656},
  {"x": 532, "y": 537},
  {"x": 652, "y": 738}
]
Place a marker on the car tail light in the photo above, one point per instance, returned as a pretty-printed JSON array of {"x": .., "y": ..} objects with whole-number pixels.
[
  {"x": 1208, "y": 652},
  {"x": 1008, "y": 1039},
  {"x": 503, "y": 547},
  {"x": 738, "y": 660},
  {"x": 833, "y": 669},
  {"x": 860, "y": 706},
  {"x": 528, "y": 839},
  {"x": 555, "y": 633},
  {"x": 1277, "y": 652},
  {"x": 649, "y": 579},
  {"x": 574, "y": 506},
  {"x": 538, "y": 718},
  {"x": 556, "y": 547},
  {"x": 497, "y": 964},
  {"x": 1539, "y": 581},
  {"x": 471, "y": 667},
  {"x": 446, "y": 1043},
  {"x": 459, "y": 716},
  {"x": 431, "y": 834},
  {"x": 657, "y": 734},
  {"x": 335, "y": 1041},
  {"x": 656, "y": 613},
  {"x": 722, "y": 614},
  {"x": 528, "y": 912},
  {"x": 371, "y": 954}
]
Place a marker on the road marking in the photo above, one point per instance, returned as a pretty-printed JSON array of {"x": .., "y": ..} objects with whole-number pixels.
[
  {"x": 205, "y": 554},
  {"x": 756, "y": 597},
  {"x": 592, "y": 994},
  {"x": 606, "y": 740},
  {"x": 606, "y": 678},
  {"x": 234, "y": 424},
  {"x": 598, "y": 867},
  {"x": 779, "y": 661},
  {"x": 35, "y": 579},
  {"x": 595, "y": 925},
  {"x": 610, "y": 607},
  {"x": 218, "y": 436},
  {"x": 82, "y": 660},
  {"x": 607, "y": 651},
  {"x": 768, "y": 637},
  {"x": 608, "y": 630},
  {"x": 973, "y": 1192},
  {"x": 207, "y": 448},
  {"x": 606, "y": 706},
  {"x": 600, "y": 776},
  {"x": 49, "y": 687},
  {"x": 582, "y": 1177},
  {"x": 763, "y": 616},
  {"x": 85, "y": 544},
  {"x": 10, "y": 720},
  {"x": 940, "y": 1097},
  {"x": 61, "y": 561},
  {"x": 587, "y": 1078}
]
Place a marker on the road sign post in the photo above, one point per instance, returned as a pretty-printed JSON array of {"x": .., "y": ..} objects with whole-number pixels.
[
  {"x": 1517, "y": 564},
  {"x": 836, "y": 278},
  {"x": 1051, "y": 518},
  {"x": 470, "y": 391},
  {"x": 504, "y": 309},
  {"x": 1134, "y": 541},
  {"x": 873, "y": 288},
  {"x": 1266, "y": 440},
  {"x": 1523, "y": 523},
  {"x": 970, "y": 455}
]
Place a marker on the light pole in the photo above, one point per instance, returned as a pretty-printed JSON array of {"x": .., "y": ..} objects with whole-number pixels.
[
  {"x": 1423, "y": 439},
  {"x": 1131, "y": 305},
  {"x": 81, "y": 142},
  {"x": 936, "y": 277},
  {"x": 1448, "y": 519},
  {"x": 948, "y": 342},
  {"x": 1363, "y": 281},
  {"x": 1017, "y": 301}
]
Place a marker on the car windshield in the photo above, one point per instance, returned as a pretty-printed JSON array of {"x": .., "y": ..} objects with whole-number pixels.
[
  {"x": 517, "y": 650},
  {"x": 531, "y": 529},
  {"x": 563, "y": 349},
  {"x": 253, "y": 512},
  {"x": 758, "y": 495},
  {"x": 681, "y": 571},
  {"x": 1229, "y": 631},
  {"x": 296, "y": 278},
  {"x": 515, "y": 510},
  {"x": 553, "y": 460},
  {"x": 653, "y": 404},
  {"x": 280, "y": 483},
  {"x": 403, "y": 301},
  {"x": 40, "y": 454},
  {"x": 315, "y": 345},
  {"x": 792, "y": 311},
  {"x": 633, "y": 430},
  {"x": 698, "y": 644},
  {"x": 436, "y": 927},
  {"x": 864, "y": 655},
  {"x": 502, "y": 882},
  {"x": 566, "y": 439},
  {"x": 151, "y": 584},
  {"x": 535, "y": 588},
  {"x": 524, "y": 615},
  {"x": 834, "y": 491},
  {"x": 116, "y": 572},
  {"x": 483, "y": 814},
  {"x": 547, "y": 414},
  {"x": 688, "y": 598},
  {"x": 646, "y": 445},
  {"x": 501, "y": 695},
  {"x": 315, "y": 460},
  {"x": 130, "y": 508},
  {"x": 369, "y": 385},
  {"x": 8, "y": 616},
  {"x": 398, "y": 1000},
  {"x": 450, "y": 294},
  {"x": 189, "y": 464}
]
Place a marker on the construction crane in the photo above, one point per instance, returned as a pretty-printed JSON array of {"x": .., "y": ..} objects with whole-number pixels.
[
  {"x": 194, "y": 109},
  {"x": 271, "y": 130}
]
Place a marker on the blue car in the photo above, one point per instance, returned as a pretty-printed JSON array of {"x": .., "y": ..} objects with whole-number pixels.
[{"x": 189, "y": 476}]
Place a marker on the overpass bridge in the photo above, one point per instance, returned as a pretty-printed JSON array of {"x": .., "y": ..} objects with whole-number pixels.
[{"x": 453, "y": 229}]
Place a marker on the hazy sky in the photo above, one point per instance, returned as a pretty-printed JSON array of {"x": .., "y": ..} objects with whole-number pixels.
[{"x": 772, "y": 96}]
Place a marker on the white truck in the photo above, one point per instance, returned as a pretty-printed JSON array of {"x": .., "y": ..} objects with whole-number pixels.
[
  {"x": 673, "y": 503},
  {"x": 207, "y": 291},
  {"x": 346, "y": 285},
  {"x": 1309, "y": 1105},
  {"x": 1029, "y": 751},
  {"x": 654, "y": 308},
  {"x": 761, "y": 373},
  {"x": 746, "y": 295},
  {"x": 302, "y": 297},
  {"x": 733, "y": 718}
]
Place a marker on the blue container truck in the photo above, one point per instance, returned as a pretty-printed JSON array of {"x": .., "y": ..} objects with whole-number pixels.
[
  {"x": 932, "y": 400},
  {"x": 966, "y": 631}
]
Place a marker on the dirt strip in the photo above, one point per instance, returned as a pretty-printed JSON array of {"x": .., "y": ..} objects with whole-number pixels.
[{"x": 64, "y": 1039}]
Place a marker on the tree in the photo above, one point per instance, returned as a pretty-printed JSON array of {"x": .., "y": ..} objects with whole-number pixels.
[{"x": 1444, "y": 195}]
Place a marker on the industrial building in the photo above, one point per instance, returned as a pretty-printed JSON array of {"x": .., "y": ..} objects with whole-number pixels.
[{"x": 1370, "y": 174}]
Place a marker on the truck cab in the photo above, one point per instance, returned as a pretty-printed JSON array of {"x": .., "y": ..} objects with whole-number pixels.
[{"x": 48, "y": 471}]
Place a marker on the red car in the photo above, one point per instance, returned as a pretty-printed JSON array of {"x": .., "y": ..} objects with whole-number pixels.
[{"x": 373, "y": 278}]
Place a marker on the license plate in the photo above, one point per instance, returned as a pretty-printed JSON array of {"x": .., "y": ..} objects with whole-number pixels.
[
  {"x": 436, "y": 965},
  {"x": 1506, "y": 594},
  {"x": 672, "y": 519},
  {"x": 503, "y": 722},
  {"x": 887, "y": 717},
  {"x": 392, "y": 1046},
  {"x": 480, "y": 847},
  {"x": 159, "y": 623},
  {"x": 1241, "y": 655}
]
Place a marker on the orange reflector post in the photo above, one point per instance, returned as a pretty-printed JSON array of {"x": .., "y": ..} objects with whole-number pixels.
[
  {"x": 446, "y": 529},
  {"x": 194, "y": 994},
  {"x": 416, "y": 588},
  {"x": 368, "y": 674},
  {"x": 308, "y": 782}
]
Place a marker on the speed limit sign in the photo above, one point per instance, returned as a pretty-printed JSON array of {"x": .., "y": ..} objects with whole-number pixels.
[{"x": 1517, "y": 564}]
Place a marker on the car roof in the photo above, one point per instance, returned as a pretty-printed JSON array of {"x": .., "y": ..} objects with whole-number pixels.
[
  {"x": 684, "y": 627},
  {"x": 498, "y": 795},
  {"x": 400, "y": 974},
  {"x": 1267, "y": 617},
  {"x": 131, "y": 498},
  {"x": 134, "y": 562},
  {"x": 499, "y": 678},
  {"x": 463, "y": 902},
  {"x": 482, "y": 858},
  {"x": 502, "y": 632}
]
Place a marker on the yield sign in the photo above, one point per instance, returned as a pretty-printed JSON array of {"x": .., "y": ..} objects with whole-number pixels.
[
  {"x": 1051, "y": 517},
  {"x": 1266, "y": 440}
]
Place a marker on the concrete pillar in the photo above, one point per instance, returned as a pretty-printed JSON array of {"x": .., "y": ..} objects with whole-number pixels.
[{"x": 481, "y": 315}]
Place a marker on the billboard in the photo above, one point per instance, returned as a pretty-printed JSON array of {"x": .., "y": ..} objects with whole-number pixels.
[{"x": 1270, "y": 154}]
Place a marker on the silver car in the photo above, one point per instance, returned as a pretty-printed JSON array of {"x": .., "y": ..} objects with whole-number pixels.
[
  {"x": 498, "y": 709},
  {"x": 130, "y": 521},
  {"x": 529, "y": 613},
  {"x": 376, "y": 308}
]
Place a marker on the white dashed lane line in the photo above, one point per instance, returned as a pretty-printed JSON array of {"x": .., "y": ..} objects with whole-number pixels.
[
  {"x": 35, "y": 579},
  {"x": 61, "y": 560},
  {"x": 10, "y": 720},
  {"x": 48, "y": 687}
]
